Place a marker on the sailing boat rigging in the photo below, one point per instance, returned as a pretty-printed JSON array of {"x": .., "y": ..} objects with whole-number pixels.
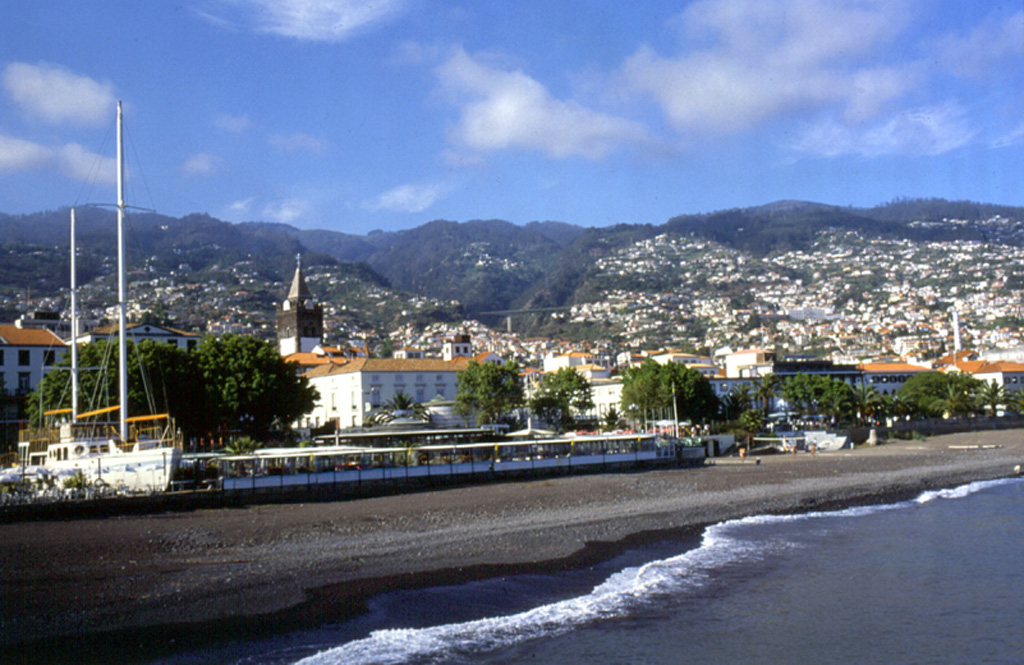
[{"x": 133, "y": 457}]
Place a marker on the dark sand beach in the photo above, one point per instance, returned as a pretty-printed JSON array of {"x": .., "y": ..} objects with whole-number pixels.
[{"x": 171, "y": 581}]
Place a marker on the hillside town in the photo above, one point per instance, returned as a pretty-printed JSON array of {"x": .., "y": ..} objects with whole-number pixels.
[{"x": 874, "y": 312}]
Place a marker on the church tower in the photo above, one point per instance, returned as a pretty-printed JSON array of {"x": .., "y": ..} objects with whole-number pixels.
[{"x": 300, "y": 318}]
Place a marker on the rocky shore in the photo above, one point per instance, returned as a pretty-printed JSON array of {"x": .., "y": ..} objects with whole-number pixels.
[{"x": 133, "y": 587}]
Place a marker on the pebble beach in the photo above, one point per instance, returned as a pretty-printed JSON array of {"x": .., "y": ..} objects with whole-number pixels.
[{"x": 162, "y": 583}]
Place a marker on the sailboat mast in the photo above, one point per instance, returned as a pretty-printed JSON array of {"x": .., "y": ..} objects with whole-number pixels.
[
  {"x": 74, "y": 323},
  {"x": 122, "y": 300}
]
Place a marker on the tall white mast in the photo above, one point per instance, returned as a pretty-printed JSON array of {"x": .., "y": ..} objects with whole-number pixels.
[
  {"x": 122, "y": 301},
  {"x": 74, "y": 323}
]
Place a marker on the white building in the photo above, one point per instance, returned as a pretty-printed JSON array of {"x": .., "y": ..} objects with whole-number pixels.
[
  {"x": 25, "y": 355},
  {"x": 553, "y": 363},
  {"x": 888, "y": 378},
  {"x": 138, "y": 332},
  {"x": 350, "y": 392},
  {"x": 749, "y": 363}
]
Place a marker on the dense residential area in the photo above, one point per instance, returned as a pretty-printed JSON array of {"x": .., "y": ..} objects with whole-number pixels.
[{"x": 869, "y": 312}]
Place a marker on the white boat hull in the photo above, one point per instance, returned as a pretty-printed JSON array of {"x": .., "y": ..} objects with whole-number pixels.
[{"x": 149, "y": 470}]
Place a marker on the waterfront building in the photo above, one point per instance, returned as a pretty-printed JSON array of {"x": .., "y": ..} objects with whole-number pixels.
[
  {"x": 25, "y": 356},
  {"x": 889, "y": 377},
  {"x": 349, "y": 393}
]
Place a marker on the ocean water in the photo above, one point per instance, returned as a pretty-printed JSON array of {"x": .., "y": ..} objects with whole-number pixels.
[{"x": 939, "y": 579}]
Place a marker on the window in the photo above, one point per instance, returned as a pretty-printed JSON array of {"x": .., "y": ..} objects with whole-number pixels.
[
  {"x": 49, "y": 357},
  {"x": 1, "y": 357},
  {"x": 24, "y": 357},
  {"x": 24, "y": 381}
]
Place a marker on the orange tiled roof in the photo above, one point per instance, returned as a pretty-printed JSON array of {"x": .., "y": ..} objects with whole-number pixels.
[
  {"x": 391, "y": 365},
  {"x": 15, "y": 336},
  {"x": 891, "y": 367}
]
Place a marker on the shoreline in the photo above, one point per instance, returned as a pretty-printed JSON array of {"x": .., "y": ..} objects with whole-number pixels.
[{"x": 138, "y": 587}]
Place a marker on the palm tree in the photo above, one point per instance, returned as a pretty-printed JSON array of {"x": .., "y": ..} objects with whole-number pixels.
[
  {"x": 1015, "y": 400},
  {"x": 868, "y": 402},
  {"x": 400, "y": 405},
  {"x": 956, "y": 400},
  {"x": 243, "y": 445},
  {"x": 743, "y": 394},
  {"x": 766, "y": 389},
  {"x": 611, "y": 420},
  {"x": 992, "y": 395}
]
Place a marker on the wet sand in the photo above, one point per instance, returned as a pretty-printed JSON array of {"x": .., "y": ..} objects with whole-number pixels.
[{"x": 132, "y": 587}]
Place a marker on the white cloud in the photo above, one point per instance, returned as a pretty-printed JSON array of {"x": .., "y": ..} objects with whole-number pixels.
[
  {"x": 995, "y": 40},
  {"x": 507, "y": 110},
  {"x": 930, "y": 131},
  {"x": 200, "y": 164},
  {"x": 1014, "y": 137},
  {"x": 749, "y": 61},
  {"x": 76, "y": 162},
  {"x": 72, "y": 160},
  {"x": 316, "y": 20},
  {"x": 286, "y": 211},
  {"x": 301, "y": 142},
  {"x": 57, "y": 95},
  {"x": 407, "y": 198},
  {"x": 236, "y": 124},
  {"x": 241, "y": 207},
  {"x": 19, "y": 155}
]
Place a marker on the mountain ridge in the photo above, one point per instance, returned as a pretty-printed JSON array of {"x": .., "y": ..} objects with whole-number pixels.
[{"x": 486, "y": 265}]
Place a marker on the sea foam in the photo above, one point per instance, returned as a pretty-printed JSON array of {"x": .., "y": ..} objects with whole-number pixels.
[{"x": 723, "y": 545}]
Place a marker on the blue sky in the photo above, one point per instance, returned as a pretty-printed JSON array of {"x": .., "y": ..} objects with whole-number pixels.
[{"x": 386, "y": 114}]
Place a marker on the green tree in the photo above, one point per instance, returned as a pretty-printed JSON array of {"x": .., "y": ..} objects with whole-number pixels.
[
  {"x": 488, "y": 391},
  {"x": 743, "y": 396},
  {"x": 958, "y": 399},
  {"x": 161, "y": 379},
  {"x": 868, "y": 402},
  {"x": 644, "y": 391},
  {"x": 612, "y": 420},
  {"x": 804, "y": 392},
  {"x": 991, "y": 395},
  {"x": 561, "y": 396},
  {"x": 652, "y": 387},
  {"x": 765, "y": 389},
  {"x": 249, "y": 386},
  {"x": 933, "y": 394},
  {"x": 837, "y": 400},
  {"x": 695, "y": 398},
  {"x": 751, "y": 422},
  {"x": 243, "y": 445},
  {"x": 399, "y": 406}
]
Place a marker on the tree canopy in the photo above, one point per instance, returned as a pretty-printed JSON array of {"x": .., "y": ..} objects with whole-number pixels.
[
  {"x": 652, "y": 387},
  {"x": 937, "y": 393},
  {"x": 488, "y": 391},
  {"x": 562, "y": 396},
  {"x": 231, "y": 383}
]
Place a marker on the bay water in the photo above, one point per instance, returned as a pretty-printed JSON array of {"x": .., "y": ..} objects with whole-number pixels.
[{"x": 939, "y": 579}]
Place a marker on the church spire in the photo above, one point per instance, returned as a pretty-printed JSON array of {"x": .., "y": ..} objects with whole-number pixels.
[
  {"x": 299, "y": 290},
  {"x": 300, "y": 318}
]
